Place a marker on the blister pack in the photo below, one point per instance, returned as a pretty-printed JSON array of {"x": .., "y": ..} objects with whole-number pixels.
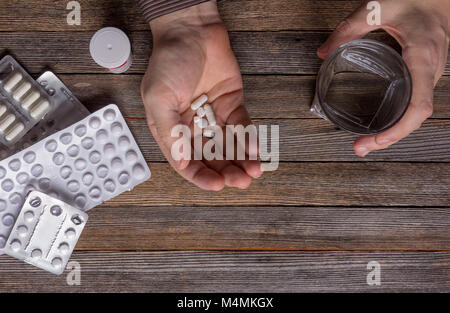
[
  {"x": 46, "y": 232},
  {"x": 83, "y": 165},
  {"x": 68, "y": 110},
  {"x": 23, "y": 102}
]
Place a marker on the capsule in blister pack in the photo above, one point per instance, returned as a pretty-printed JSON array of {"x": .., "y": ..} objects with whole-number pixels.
[
  {"x": 23, "y": 102},
  {"x": 46, "y": 232},
  {"x": 84, "y": 165},
  {"x": 68, "y": 110}
]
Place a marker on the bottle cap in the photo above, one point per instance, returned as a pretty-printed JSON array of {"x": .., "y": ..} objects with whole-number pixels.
[{"x": 110, "y": 48}]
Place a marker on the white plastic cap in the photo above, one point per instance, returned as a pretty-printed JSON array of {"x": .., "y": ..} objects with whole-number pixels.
[{"x": 110, "y": 47}]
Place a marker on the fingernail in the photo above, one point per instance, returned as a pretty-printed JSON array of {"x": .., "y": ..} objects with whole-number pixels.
[{"x": 362, "y": 151}]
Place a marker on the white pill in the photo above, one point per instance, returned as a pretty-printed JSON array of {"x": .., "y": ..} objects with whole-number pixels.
[
  {"x": 201, "y": 112},
  {"x": 64, "y": 248},
  {"x": 12, "y": 82},
  {"x": 199, "y": 102},
  {"x": 197, "y": 119},
  {"x": 21, "y": 91},
  {"x": 210, "y": 115},
  {"x": 15, "y": 131},
  {"x": 6, "y": 122},
  {"x": 208, "y": 133},
  {"x": 3, "y": 109},
  {"x": 16, "y": 245},
  {"x": 202, "y": 123},
  {"x": 57, "y": 263},
  {"x": 36, "y": 254},
  {"x": 40, "y": 109},
  {"x": 30, "y": 99}
]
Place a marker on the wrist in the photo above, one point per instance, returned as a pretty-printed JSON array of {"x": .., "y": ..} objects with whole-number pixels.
[{"x": 200, "y": 15}]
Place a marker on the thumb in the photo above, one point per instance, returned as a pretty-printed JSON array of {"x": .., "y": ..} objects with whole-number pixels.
[
  {"x": 164, "y": 121},
  {"x": 355, "y": 26}
]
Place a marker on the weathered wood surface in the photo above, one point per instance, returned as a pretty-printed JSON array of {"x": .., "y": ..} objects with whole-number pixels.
[
  {"x": 268, "y": 227},
  {"x": 257, "y": 52},
  {"x": 266, "y": 96},
  {"x": 306, "y": 184},
  {"x": 227, "y": 271},
  {"x": 258, "y": 15}
]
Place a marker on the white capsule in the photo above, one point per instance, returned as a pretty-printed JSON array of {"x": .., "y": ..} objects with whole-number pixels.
[
  {"x": 202, "y": 123},
  {"x": 16, "y": 245},
  {"x": 210, "y": 115},
  {"x": 3, "y": 109},
  {"x": 14, "y": 131},
  {"x": 199, "y": 102},
  {"x": 13, "y": 81},
  {"x": 40, "y": 109},
  {"x": 201, "y": 112},
  {"x": 197, "y": 119},
  {"x": 6, "y": 122},
  {"x": 21, "y": 91},
  {"x": 30, "y": 99},
  {"x": 208, "y": 133}
]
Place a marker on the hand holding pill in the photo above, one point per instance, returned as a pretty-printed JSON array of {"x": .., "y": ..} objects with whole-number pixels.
[{"x": 192, "y": 60}]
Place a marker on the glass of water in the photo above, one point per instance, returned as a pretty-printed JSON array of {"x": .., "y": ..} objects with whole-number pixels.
[{"x": 364, "y": 87}]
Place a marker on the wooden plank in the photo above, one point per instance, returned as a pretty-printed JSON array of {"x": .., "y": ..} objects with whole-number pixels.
[
  {"x": 257, "y": 52},
  {"x": 171, "y": 228},
  {"x": 306, "y": 184},
  {"x": 202, "y": 271},
  {"x": 46, "y": 15},
  {"x": 319, "y": 140},
  {"x": 266, "y": 96}
]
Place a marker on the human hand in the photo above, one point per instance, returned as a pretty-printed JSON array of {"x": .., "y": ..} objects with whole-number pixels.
[
  {"x": 192, "y": 56},
  {"x": 422, "y": 28}
]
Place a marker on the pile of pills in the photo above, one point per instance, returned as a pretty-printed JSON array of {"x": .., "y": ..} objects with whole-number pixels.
[
  {"x": 205, "y": 115},
  {"x": 46, "y": 232}
]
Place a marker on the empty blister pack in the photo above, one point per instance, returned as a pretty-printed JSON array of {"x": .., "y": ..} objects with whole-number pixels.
[
  {"x": 46, "y": 232},
  {"x": 68, "y": 110},
  {"x": 83, "y": 165},
  {"x": 23, "y": 102}
]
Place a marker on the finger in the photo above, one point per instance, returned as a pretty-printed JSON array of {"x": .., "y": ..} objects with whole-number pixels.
[
  {"x": 195, "y": 171},
  {"x": 233, "y": 175},
  {"x": 355, "y": 26},
  {"x": 230, "y": 110},
  {"x": 419, "y": 110}
]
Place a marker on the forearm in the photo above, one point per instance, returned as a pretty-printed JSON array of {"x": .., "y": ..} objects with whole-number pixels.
[{"x": 153, "y": 9}]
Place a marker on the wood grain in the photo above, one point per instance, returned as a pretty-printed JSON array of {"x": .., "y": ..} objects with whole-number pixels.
[
  {"x": 170, "y": 228},
  {"x": 258, "y": 15},
  {"x": 306, "y": 184},
  {"x": 266, "y": 96},
  {"x": 257, "y": 52},
  {"x": 201, "y": 271},
  {"x": 319, "y": 140}
]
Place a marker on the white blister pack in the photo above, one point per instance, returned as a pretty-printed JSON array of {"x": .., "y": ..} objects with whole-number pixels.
[
  {"x": 83, "y": 165},
  {"x": 46, "y": 232}
]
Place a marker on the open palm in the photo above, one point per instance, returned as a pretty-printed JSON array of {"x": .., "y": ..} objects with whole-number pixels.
[{"x": 186, "y": 62}]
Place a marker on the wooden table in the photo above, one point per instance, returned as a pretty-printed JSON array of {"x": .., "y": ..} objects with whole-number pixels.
[{"x": 312, "y": 225}]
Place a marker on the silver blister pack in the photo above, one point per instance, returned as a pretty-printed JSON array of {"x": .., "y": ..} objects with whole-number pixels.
[
  {"x": 46, "y": 232},
  {"x": 68, "y": 110},
  {"x": 23, "y": 102},
  {"x": 83, "y": 165}
]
